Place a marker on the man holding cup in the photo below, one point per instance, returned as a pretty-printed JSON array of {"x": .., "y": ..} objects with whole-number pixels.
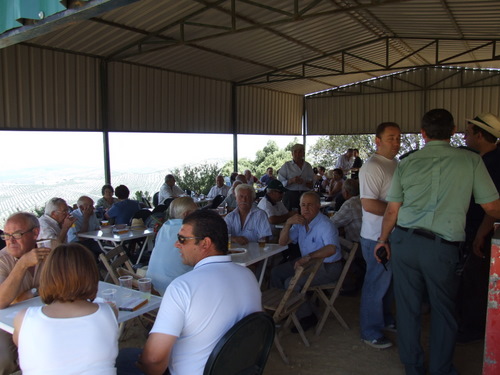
[{"x": 20, "y": 263}]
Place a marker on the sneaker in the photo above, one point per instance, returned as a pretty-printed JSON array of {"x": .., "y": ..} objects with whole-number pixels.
[
  {"x": 390, "y": 328},
  {"x": 381, "y": 343}
]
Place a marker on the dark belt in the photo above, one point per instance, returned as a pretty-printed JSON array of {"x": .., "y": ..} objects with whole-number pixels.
[{"x": 428, "y": 234}]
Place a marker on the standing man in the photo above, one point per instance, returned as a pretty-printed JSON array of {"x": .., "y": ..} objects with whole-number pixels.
[
  {"x": 20, "y": 263},
  {"x": 317, "y": 238},
  {"x": 428, "y": 199},
  {"x": 297, "y": 176},
  {"x": 200, "y": 306},
  {"x": 345, "y": 161},
  {"x": 481, "y": 135},
  {"x": 374, "y": 180},
  {"x": 56, "y": 221},
  {"x": 169, "y": 189},
  {"x": 219, "y": 188}
]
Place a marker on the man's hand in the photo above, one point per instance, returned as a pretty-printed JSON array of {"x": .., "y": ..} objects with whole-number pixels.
[
  {"x": 301, "y": 261},
  {"x": 35, "y": 256},
  {"x": 87, "y": 211},
  {"x": 296, "y": 219},
  {"x": 68, "y": 222},
  {"x": 240, "y": 240},
  {"x": 477, "y": 245}
]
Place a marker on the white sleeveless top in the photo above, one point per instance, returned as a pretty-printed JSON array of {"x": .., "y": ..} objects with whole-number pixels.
[{"x": 64, "y": 346}]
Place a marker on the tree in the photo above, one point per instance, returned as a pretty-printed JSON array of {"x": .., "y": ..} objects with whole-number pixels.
[{"x": 199, "y": 178}]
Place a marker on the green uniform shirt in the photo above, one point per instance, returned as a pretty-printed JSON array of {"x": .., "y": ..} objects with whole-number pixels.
[{"x": 435, "y": 185}]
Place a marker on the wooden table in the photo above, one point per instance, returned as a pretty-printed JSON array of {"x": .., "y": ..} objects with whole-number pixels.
[
  {"x": 8, "y": 314},
  {"x": 119, "y": 239},
  {"x": 255, "y": 254}
]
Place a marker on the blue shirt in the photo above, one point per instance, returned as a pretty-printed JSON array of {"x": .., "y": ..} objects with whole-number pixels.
[
  {"x": 166, "y": 261},
  {"x": 123, "y": 211},
  {"x": 77, "y": 226},
  {"x": 321, "y": 232},
  {"x": 256, "y": 224}
]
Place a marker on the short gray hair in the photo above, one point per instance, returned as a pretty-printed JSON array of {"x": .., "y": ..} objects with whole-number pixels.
[
  {"x": 52, "y": 205},
  {"x": 28, "y": 217},
  {"x": 351, "y": 186},
  {"x": 82, "y": 200},
  {"x": 181, "y": 205},
  {"x": 245, "y": 187}
]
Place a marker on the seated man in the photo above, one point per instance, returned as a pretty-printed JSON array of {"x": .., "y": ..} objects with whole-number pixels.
[
  {"x": 86, "y": 221},
  {"x": 230, "y": 201},
  {"x": 317, "y": 238},
  {"x": 272, "y": 203},
  {"x": 350, "y": 214},
  {"x": 247, "y": 223},
  {"x": 123, "y": 210},
  {"x": 219, "y": 188},
  {"x": 166, "y": 262},
  {"x": 56, "y": 221},
  {"x": 268, "y": 177},
  {"x": 20, "y": 263},
  {"x": 200, "y": 306},
  {"x": 250, "y": 179},
  {"x": 169, "y": 189}
]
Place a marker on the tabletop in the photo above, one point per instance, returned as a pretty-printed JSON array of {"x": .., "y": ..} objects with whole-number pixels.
[
  {"x": 8, "y": 314},
  {"x": 254, "y": 253}
]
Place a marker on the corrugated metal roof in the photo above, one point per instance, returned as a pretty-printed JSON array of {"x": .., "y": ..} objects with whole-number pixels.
[{"x": 273, "y": 45}]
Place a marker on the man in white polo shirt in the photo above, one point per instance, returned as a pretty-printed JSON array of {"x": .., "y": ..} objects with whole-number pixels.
[{"x": 199, "y": 307}]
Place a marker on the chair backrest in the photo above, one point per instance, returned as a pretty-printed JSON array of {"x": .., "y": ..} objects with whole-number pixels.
[
  {"x": 143, "y": 214},
  {"x": 243, "y": 349},
  {"x": 218, "y": 200},
  {"x": 348, "y": 253},
  {"x": 155, "y": 198},
  {"x": 117, "y": 263},
  {"x": 292, "y": 299}
]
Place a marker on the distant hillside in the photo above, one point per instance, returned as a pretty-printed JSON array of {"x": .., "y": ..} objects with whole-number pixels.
[{"x": 28, "y": 195}]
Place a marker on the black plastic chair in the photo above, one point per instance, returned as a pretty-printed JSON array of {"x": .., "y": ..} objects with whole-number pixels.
[
  {"x": 164, "y": 206},
  {"x": 155, "y": 198},
  {"x": 243, "y": 349},
  {"x": 143, "y": 214}
]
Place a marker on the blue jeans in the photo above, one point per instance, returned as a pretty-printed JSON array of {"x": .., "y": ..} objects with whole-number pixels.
[{"x": 376, "y": 296}]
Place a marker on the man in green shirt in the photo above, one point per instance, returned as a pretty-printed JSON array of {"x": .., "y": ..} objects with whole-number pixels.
[{"x": 428, "y": 200}]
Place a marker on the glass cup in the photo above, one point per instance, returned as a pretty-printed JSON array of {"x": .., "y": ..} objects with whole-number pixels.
[
  {"x": 228, "y": 241},
  {"x": 145, "y": 287},
  {"x": 262, "y": 242},
  {"x": 126, "y": 283},
  {"x": 109, "y": 296},
  {"x": 44, "y": 243}
]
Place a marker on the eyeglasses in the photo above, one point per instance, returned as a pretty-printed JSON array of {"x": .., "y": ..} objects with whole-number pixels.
[
  {"x": 16, "y": 236},
  {"x": 183, "y": 239}
]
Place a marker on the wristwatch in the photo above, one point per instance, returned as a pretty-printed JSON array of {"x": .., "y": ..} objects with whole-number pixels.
[{"x": 34, "y": 291}]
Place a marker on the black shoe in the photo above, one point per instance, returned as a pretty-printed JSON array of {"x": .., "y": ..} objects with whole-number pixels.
[{"x": 306, "y": 323}]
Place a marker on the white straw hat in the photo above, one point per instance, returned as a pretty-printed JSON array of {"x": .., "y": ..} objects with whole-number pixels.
[{"x": 488, "y": 122}]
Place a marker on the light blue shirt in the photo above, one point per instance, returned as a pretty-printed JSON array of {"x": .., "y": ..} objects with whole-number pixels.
[
  {"x": 256, "y": 224},
  {"x": 321, "y": 232},
  {"x": 77, "y": 227},
  {"x": 166, "y": 261}
]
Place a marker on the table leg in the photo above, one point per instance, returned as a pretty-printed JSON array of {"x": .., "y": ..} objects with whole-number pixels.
[{"x": 263, "y": 271}]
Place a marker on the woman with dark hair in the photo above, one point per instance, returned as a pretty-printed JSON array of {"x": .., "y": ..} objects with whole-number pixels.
[
  {"x": 70, "y": 334},
  {"x": 107, "y": 199}
]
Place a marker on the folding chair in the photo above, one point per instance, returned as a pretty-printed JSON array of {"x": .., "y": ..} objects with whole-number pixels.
[
  {"x": 348, "y": 252},
  {"x": 284, "y": 303},
  {"x": 117, "y": 263}
]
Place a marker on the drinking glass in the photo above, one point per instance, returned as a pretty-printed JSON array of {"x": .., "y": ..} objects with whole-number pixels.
[
  {"x": 109, "y": 296},
  {"x": 126, "y": 282},
  {"x": 145, "y": 287}
]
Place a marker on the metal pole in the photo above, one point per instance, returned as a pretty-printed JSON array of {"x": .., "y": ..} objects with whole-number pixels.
[
  {"x": 491, "y": 362},
  {"x": 104, "y": 120},
  {"x": 234, "y": 118}
]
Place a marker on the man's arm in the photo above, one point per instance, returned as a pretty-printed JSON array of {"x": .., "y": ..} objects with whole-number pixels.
[
  {"x": 374, "y": 206},
  {"x": 285, "y": 232},
  {"x": 67, "y": 223},
  {"x": 484, "y": 229},
  {"x": 324, "y": 252},
  {"x": 278, "y": 219},
  {"x": 10, "y": 288},
  {"x": 492, "y": 208},
  {"x": 388, "y": 224},
  {"x": 155, "y": 357}
]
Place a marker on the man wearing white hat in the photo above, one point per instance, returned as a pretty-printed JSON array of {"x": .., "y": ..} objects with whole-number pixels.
[{"x": 481, "y": 135}]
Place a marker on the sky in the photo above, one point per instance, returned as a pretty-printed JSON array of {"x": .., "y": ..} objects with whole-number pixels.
[{"x": 129, "y": 151}]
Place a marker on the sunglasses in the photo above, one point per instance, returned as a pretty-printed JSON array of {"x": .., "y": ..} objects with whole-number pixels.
[{"x": 183, "y": 239}]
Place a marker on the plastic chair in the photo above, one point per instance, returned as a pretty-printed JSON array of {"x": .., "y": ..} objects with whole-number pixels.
[
  {"x": 243, "y": 349},
  {"x": 143, "y": 214},
  {"x": 284, "y": 303},
  {"x": 155, "y": 198},
  {"x": 348, "y": 252},
  {"x": 218, "y": 199}
]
